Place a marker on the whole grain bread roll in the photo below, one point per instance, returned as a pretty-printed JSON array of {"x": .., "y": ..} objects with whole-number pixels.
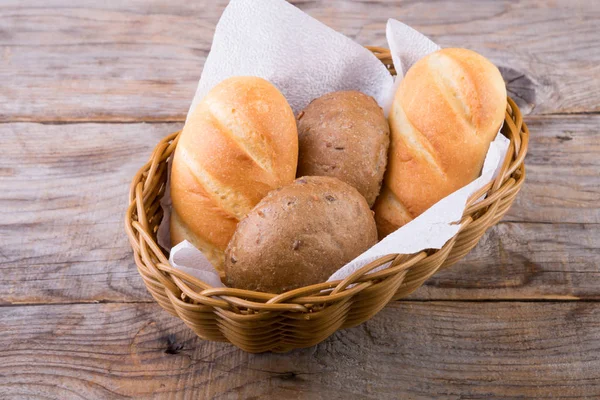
[
  {"x": 299, "y": 235},
  {"x": 446, "y": 111},
  {"x": 239, "y": 144},
  {"x": 344, "y": 135}
]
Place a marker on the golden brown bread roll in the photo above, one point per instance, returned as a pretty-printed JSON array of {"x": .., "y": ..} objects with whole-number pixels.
[
  {"x": 446, "y": 111},
  {"x": 239, "y": 144},
  {"x": 299, "y": 235},
  {"x": 344, "y": 135}
]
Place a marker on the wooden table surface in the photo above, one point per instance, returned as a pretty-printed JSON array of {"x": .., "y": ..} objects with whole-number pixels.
[{"x": 88, "y": 88}]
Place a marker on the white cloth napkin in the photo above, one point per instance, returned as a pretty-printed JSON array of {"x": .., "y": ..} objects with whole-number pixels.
[{"x": 306, "y": 59}]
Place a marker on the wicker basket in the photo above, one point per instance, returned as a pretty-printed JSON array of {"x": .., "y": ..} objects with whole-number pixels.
[{"x": 258, "y": 322}]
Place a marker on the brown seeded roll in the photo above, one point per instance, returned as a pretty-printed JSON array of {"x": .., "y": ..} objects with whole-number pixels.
[
  {"x": 344, "y": 135},
  {"x": 299, "y": 235}
]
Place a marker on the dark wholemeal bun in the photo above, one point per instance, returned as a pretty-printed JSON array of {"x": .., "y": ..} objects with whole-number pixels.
[
  {"x": 344, "y": 135},
  {"x": 298, "y": 235}
]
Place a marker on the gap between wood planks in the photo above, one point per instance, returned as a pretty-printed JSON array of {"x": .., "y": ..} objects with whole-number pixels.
[
  {"x": 549, "y": 299},
  {"x": 102, "y": 120}
]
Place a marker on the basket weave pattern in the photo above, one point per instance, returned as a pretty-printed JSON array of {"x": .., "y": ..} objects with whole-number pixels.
[{"x": 258, "y": 322}]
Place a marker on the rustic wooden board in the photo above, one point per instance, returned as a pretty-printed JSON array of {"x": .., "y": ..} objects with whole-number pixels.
[
  {"x": 410, "y": 350},
  {"x": 141, "y": 60},
  {"x": 64, "y": 192},
  {"x": 64, "y": 183},
  {"x": 563, "y": 171},
  {"x": 525, "y": 261}
]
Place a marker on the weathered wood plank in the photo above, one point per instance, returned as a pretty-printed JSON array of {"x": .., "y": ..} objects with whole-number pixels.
[
  {"x": 63, "y": 193},
  {"x": 140, "y": 60},
  {"x": 102, "y": 60},
  {"x": 410, "y": 350},
  {"x": 563, "y": 171},
  {"x": 524, "y": 261}
]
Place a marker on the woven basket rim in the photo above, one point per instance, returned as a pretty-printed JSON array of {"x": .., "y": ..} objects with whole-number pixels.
[{"x": 144, "y": 213}]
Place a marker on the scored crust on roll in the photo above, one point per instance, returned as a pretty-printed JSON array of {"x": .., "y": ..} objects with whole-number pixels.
[
  {"x": 446, "y": 112},
  {"x": 239, "y": 144}
]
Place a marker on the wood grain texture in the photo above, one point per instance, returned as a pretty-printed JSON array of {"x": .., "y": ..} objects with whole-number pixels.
[
  {"x": 113, "y": 60},
  {"x": 141, "y": 60},
  {"x": 63, "y": 197},
  {"x": 410, "y": 350},
  {"x": 64, "y": 193},
  {"x": 563, "y": 171},
  {"x": 524, "y": 261}
]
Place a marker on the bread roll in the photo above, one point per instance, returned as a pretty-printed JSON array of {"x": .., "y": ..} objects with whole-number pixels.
[
  {"x": 299, "y": 235},
  {"x": 239, "y": 144},
  {"x": 344, "y": 135},
  {"x": 446, "y": 111}
]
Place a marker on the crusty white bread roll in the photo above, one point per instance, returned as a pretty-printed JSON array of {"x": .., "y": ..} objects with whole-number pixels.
[
  {"x": 446, "y": 111},
  {"x": 240, "y": 143}
]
